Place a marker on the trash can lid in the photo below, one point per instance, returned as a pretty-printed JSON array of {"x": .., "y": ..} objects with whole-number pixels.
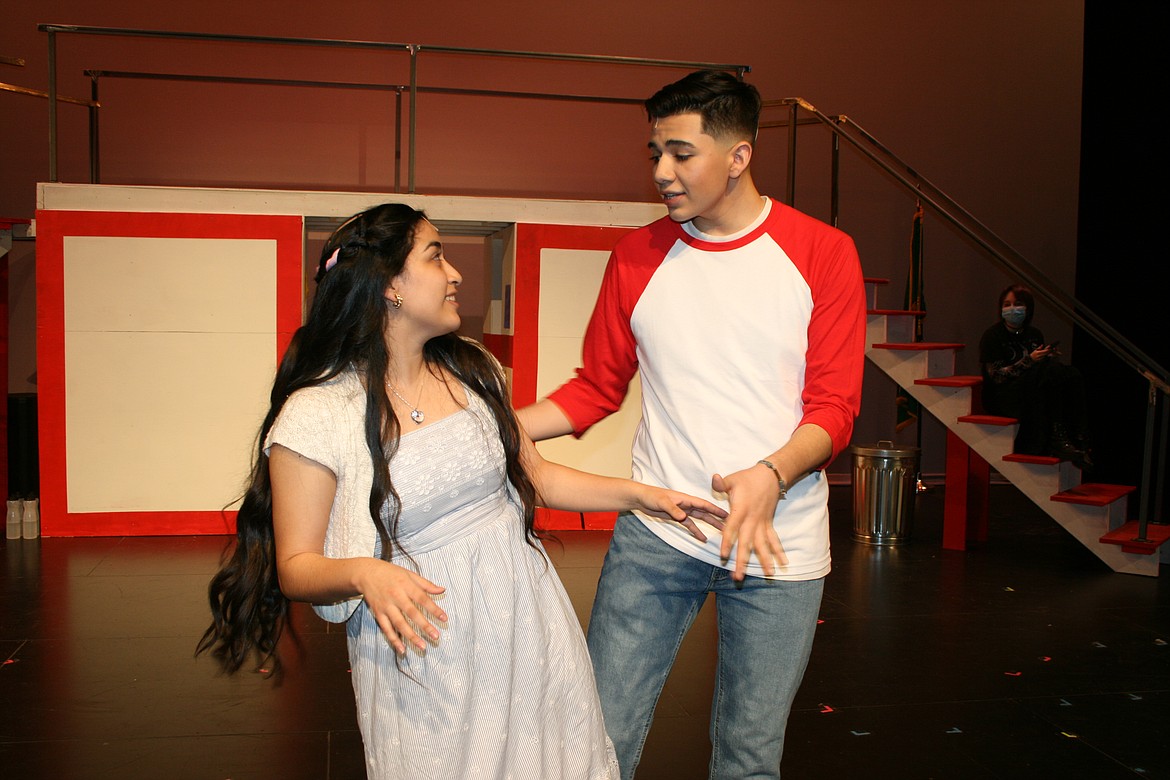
[{"x": 883, "y": 449}]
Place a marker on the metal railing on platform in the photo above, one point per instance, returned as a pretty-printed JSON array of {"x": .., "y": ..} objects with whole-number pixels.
[{"x": 412, "y": 89}]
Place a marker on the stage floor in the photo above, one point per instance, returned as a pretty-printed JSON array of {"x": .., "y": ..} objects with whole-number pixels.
[{"x": 1022, "y": 657}]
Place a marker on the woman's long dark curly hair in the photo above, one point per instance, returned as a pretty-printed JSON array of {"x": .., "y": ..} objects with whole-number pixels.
[{"x": 344, "y": 330}]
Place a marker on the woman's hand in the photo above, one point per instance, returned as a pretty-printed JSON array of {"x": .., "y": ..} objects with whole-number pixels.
[
  {"x": 672, "y": 505},
  {"x": 1040, "y": 353},
  {"x": 400, "y": 601}
]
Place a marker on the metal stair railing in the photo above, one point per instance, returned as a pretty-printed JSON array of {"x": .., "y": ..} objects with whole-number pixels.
[
  {"x": 412, "y": 89},
  {"x": 1157, "y": 377}
]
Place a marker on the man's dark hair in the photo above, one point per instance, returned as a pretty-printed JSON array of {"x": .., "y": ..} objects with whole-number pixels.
[{"x": 726, "y": 105}]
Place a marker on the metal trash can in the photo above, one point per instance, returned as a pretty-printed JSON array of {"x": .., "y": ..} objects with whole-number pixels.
[{"x": 885, "y": 484}]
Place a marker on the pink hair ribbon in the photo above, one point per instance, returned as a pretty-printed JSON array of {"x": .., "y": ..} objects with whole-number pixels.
[{"x": 332, "y": 261}]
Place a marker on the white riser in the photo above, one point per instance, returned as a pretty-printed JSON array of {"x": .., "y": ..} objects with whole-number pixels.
[
  {"x": 906, "y": 365},
  {"x": 889, "y": 328}
]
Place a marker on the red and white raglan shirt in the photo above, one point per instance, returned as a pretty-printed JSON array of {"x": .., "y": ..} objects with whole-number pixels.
[{"x": 740, "y": 339}]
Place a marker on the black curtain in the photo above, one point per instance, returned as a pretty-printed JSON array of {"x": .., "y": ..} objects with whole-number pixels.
[{"x": 1121, "y": 244}]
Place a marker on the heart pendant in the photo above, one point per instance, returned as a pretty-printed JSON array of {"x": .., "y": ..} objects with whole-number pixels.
[{"x": 417, "y": 416}]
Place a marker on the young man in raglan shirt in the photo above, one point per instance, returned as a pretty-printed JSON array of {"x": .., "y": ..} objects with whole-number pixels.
[{"x": 747, "y": 321}]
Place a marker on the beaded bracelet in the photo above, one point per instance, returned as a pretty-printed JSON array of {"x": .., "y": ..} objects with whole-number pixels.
[{"x": 779, "y": 479}]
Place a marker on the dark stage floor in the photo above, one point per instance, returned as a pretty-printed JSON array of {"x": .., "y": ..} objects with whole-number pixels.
[{"x": 1022, "y": 658}]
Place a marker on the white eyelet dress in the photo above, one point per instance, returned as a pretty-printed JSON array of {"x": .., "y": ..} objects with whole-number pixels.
[{"x": 507, "y": 691}]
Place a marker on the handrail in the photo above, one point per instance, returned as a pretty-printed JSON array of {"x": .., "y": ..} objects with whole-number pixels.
[
  {"x": 412, "y": 49},
  {"x": 999, "y": 249},
  {"x": 131, "y": 74},
  {"x": 398, "y": 89},
  {"x": 844, "y": 128},
  {"x": 19, "y": 90},
  {"x": 344, "y": 43}
]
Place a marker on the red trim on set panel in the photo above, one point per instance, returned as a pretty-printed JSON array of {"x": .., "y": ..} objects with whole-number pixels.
[
  {"x": 51, "y": 370},
  {"x": 600, "y": 521},
  {"x": 499, "y": 345},
  {"x": 530, "y": 240},
  {"x": 523, "y": 346},
  {"x": 52, "y": 227},
  {"x": 557, "y": 520},
  {"x": 525, "y": 315},
  {"x": 162, "y": 523}
]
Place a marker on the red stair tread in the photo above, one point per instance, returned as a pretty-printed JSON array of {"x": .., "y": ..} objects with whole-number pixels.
[
  {"x": 987, "y": 419},
  {"x": 920, "y": 345},
  {"x": 1093, "y": 494},
  {"x": 875, "y": 280},
  {"x": 897, "y": 312},
  {"x": 950, "y": 381},
  {"x": 1043, "y": 460},
  {"x": 1156, "y": 535}
]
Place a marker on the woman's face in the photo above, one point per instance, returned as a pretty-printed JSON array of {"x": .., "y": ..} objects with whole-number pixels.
[
  {"x": 1014, "y": 311},
  {"x": 427, "y": 284}
]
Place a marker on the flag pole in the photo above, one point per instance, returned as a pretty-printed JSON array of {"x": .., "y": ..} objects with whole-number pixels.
[{"x": 918, "y": 304}]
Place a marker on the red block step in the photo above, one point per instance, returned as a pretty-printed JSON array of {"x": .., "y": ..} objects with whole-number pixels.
[
  {"x": 920, "y": 345},
  {"x": 950, "y": 381},
  {"x": 875, "y": 280},
  {"x": 896, "y": 312},
  {"x": 987, "y": 419},
  {"x": 1156, "y": 535},
  {"x": 1040, "y": 460},
  {"x": 1093, "y": 494}
]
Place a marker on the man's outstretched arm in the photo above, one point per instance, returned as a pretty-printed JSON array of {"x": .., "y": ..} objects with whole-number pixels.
[{"x": 544, "y": 420}]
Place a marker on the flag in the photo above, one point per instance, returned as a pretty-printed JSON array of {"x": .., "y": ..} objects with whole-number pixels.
[{"x": 914, "y": 300}]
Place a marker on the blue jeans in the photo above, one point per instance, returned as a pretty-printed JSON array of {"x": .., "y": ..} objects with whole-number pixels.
[{"x": 647, "y": 598}]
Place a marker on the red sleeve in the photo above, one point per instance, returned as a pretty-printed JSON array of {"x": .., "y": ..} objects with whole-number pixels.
[
  {"x": 609, "y": 354},
  {"x": 836, "y": 340}
]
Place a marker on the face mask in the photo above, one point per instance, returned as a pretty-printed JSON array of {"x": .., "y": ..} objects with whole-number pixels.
[{"x": 1014, "y": 315}]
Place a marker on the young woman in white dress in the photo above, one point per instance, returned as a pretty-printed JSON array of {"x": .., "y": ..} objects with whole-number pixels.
[{"x": 394, "y": 490}]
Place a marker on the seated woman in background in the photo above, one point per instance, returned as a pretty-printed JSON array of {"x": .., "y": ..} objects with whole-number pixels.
[{"x": 1023, "y": 378}]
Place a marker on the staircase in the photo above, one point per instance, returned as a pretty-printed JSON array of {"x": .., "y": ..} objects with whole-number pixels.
[{"x": 1094, "y": 513}]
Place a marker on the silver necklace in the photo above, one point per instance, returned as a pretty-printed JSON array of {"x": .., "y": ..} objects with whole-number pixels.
[{"x": 416, "y": 414}]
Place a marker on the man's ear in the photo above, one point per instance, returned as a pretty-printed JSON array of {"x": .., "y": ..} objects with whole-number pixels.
[{"x": 741, "y": 157}]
